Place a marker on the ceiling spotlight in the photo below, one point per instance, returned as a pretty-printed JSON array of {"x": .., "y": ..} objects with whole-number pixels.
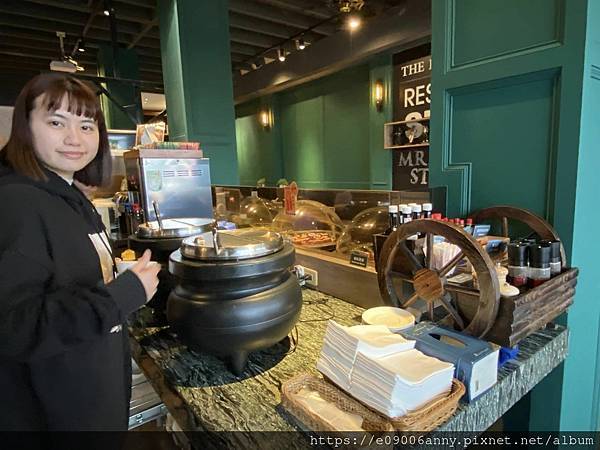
[
  {"x": 281, "y": 54},
  {"x": 108, "y": 9},
  {"x": 300, "y": 44},
  {"x": 81, "y": 46},
  {"x": 353, "y": 21},
  {"x": 256, "y": 65}
]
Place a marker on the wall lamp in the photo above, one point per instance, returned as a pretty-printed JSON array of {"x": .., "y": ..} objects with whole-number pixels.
[
  {"x": 379, "y": 94},
  {"x": 265, "y": 118}
]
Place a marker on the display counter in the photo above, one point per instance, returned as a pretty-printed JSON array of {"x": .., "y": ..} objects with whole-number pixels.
[{"x": 203, "y": 396}]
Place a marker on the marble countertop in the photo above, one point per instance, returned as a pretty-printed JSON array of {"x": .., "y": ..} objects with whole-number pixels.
[{"x": 203, "y": 396}]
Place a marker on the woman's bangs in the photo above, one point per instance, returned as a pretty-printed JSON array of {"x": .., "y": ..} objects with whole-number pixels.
[{"x": 79, "y": 101}]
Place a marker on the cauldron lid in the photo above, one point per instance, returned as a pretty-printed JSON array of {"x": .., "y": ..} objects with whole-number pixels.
[
  {"x": 235, "y": 244},
  {"x": 175, "y": 228}
]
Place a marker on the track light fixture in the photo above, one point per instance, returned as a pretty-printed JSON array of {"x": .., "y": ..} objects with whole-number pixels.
[
  {"x": 351, "y": 10},
  {"x": 81, "y": 45},
  {"x": 349, "y": 15},
  {"x": 300, "y": 44},
  {"x": 281, "y": 54},
  {"x": 108, "y": 9}
]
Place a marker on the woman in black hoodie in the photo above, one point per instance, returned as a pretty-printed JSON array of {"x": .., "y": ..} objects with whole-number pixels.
[{"x": 64, "y": 354}]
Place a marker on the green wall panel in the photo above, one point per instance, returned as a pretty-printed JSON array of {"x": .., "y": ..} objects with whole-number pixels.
[
  {"x": 326, "y": 133},
  {"x": 380, "y": 160},
  {"x": 346, "y": 138},
  {"x": 257, "y": 154},
  {"x": 505, "y": 135},
  {"x": 302, "y": 142},
  {"x": 479, "y": 28}
]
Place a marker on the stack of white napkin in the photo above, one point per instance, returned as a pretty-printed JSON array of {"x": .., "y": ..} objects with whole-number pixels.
[
  {"x": 382, "y": 369},
  {"x": 342, "y": 344}
]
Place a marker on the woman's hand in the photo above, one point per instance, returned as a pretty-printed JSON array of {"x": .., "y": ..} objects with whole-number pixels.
[{"x": 147, "y": 272}]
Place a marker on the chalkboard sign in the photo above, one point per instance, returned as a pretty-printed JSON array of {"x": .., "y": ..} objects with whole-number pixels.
[
  {"x": 412, "y": 99},
  {"x": 411, "y": 169}
]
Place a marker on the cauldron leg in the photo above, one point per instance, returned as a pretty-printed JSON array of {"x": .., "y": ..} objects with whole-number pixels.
[{"x": 237, "y": 362}]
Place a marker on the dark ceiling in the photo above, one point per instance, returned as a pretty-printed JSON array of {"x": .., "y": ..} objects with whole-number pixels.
[{"x": 28, "y": 40}]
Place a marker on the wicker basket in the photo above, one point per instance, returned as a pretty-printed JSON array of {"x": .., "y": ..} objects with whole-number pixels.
[
  {"x": 372, "y": 422},
  {"x": 426, "y": 418},
  {"x": 433, "y": 414}
]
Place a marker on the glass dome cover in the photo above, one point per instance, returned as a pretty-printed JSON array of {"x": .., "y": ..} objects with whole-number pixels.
[
  {"x": 254, "y": 212},
  {"x": 314, "y": 225},
  {"x": 359, "y": 234}
]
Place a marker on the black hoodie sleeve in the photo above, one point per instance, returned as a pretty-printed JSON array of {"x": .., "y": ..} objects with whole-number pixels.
[{"x": 37, "y": 321}]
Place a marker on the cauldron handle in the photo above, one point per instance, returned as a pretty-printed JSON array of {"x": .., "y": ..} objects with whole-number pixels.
[{"x": 216, "y": 245}]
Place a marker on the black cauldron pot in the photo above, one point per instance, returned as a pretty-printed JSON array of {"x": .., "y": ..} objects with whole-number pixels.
[
  {"x": 162, "y": 241},
  {"x": 161, "y": 250},
  {"x": 236, "y": 299}
]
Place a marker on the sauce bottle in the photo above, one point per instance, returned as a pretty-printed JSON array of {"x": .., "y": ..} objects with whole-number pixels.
[
  {"x": 393, "y": 219},
  {"x": 469, "y": 226},
  {"x": 555, "y": 260},
  {"x": 539, "y": 264},
  {"x": 427, "y": 210},
  {"x": 517, "y": 264},
  {"x": 417, "y": 212},
  {"x": 406, "y": 214}
]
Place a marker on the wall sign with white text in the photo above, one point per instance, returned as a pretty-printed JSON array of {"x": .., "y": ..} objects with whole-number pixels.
[{"x": 412, "y": 99}]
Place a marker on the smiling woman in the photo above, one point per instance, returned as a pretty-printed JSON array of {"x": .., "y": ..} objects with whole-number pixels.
[
  {"x": 62, "y": 349},
  {"x": 59, "y": 121},
  {"x": 64, "y": 142}
]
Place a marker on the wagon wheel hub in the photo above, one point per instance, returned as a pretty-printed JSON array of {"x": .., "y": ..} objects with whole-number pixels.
[{"x": 428, "y": 285}]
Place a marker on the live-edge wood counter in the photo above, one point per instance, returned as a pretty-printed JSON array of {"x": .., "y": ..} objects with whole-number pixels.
[{"x": 202, "y": 395}]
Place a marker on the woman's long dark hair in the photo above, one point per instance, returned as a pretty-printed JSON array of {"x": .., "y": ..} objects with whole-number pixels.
[{"x": 19, "y": 154}]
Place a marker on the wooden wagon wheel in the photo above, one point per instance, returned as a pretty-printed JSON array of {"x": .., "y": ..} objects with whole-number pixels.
[
  {"x": 430, "y": 284},
  {"x": 505, "y": 213}
]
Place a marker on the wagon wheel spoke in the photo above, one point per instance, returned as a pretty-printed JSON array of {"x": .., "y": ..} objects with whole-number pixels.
[
  {"x": 401, "y": 276},
  {"x": 414, "y": 263},
  {"x": 451, "y": 264},
  {"x": 430, "y": 309},
  {"x": 449, "y": 287},
  {"x": 505, "y": 226},
  {"x": 447, "y": 304},
  {"x": 429, "y": 255},
  {"x": 413, "y": 298}
]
